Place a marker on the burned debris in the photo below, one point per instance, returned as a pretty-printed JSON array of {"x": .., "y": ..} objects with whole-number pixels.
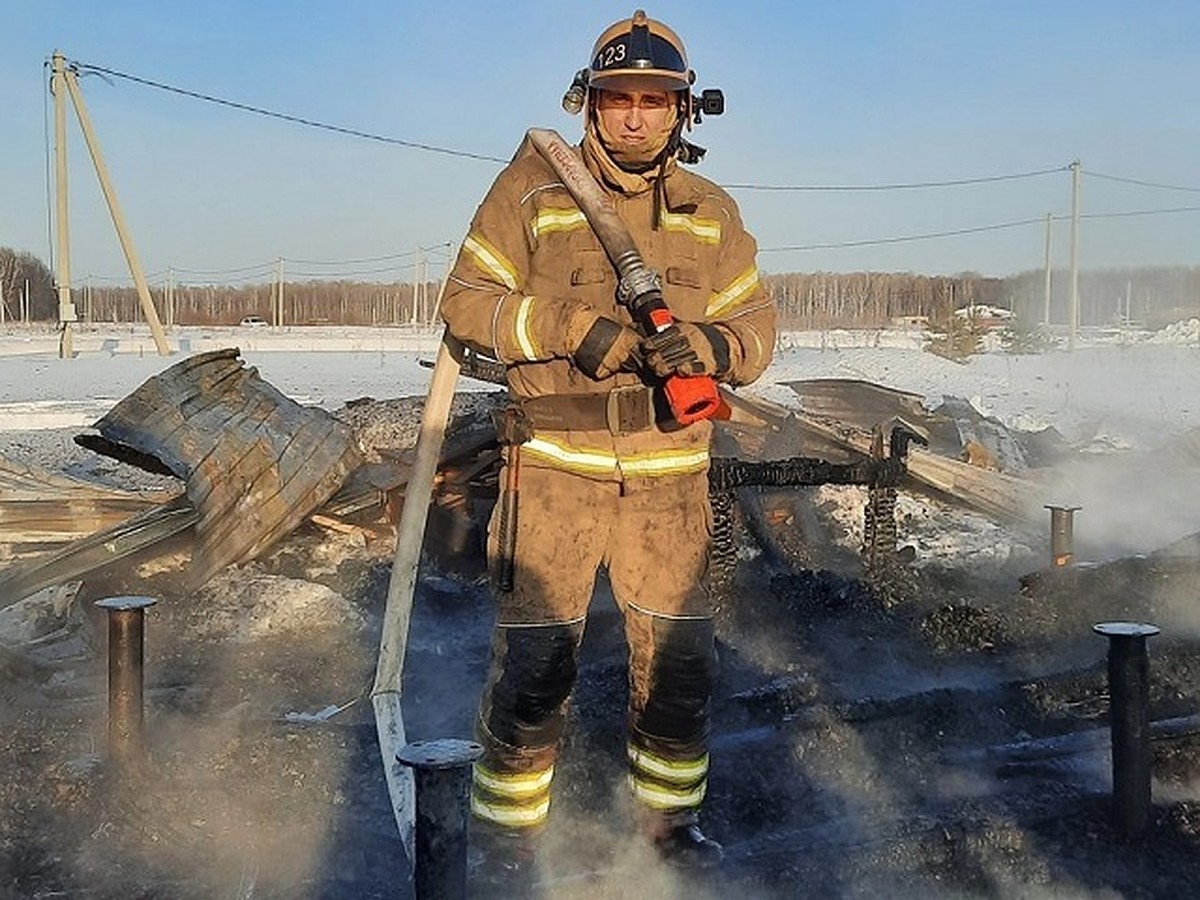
[{"x": 929, "y": 726}]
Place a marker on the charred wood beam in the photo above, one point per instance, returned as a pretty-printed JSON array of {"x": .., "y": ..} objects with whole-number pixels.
[
  {"x": 726, "y": 474},
  {"x": 1011, "y": 756},
  {"x": 479, "y": 367}
]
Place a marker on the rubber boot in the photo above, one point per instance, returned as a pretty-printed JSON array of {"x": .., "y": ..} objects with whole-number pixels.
[
  {"x": 679, "y": 841},
  {"x": 500, "y": 862}
]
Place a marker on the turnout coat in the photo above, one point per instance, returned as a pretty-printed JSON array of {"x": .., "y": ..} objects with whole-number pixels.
[{"x": 529, "y": 247}]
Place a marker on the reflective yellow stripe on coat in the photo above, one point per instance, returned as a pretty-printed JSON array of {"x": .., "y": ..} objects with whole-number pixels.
[
  {"x": 523, "y": 333},
  {"x": 737, "y": 291},
  {"x": 706, "y": 231},
  {"x": 557, "y": 219},
  {"x": 602, "y": 461},
  {"x": 491, "y": 260}
]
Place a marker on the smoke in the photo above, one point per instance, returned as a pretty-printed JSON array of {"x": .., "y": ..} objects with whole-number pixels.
[
  {"x": 234, "y": 801},
  {"x": 589, "y": 856},
  {"x": 1128, "y": 504},
  {"x": 223, "y": 811}
]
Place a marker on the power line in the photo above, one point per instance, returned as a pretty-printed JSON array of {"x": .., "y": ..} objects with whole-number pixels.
[
  {"x": 905, "y": 238},
  {"x": 349, "y": 262},
  {"x": 256, "y": 267},
  {"x": 1141, "y": 183},
  {"x": 1139, "y": 212},
  {"x": 354, "y": 132},
  {"x": 126, "y": 279},
  {"x": 897, "y": 186},
  {"x": 297, "y": 120},
  {"x": 977, "y": 229},
  {"x": 335, "y": 276}
]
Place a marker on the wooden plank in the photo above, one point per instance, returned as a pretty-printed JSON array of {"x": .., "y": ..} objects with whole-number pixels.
[
  {"x": 96, "y": 550},
  {"x": 995, "y": 493}
]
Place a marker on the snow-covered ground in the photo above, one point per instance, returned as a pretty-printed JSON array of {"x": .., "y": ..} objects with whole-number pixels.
[
  {"x": 1125, "y": 390},
  {"x": 1117, "y": 391}
]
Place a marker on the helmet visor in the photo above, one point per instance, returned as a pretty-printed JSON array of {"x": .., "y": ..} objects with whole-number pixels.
[{"x": 642, "y": 55}]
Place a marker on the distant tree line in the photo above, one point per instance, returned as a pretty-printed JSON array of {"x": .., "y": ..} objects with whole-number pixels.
[
  {"x": 304, "y": 303},
  {"x": 26, "y": 287},
  {"x": 1151, "y": 296},
  {"x": 813, "y": 300}
]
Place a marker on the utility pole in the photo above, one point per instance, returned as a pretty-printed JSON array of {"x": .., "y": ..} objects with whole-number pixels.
[
  {"x": 88, "y": 314},
  {"x": 437, "y": 303},
  {"x": 279, "y": 295},
  {"x": 170, "y": 297},
  {"x": 114, "y": 210},
  {"x": 1074, "y": 319},
  {"x": 25, "y": 303},
  {"x": 2, "y": 310},
  {"x": 66, "y": 309},
  {"x": 1046, "y": 277},
  {"x": 418, "y": 286}
]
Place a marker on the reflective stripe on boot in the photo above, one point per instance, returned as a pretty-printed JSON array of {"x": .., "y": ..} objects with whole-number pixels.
[
  {"x": 510, "y": 800},
  {"x": 667, "y": 784}
]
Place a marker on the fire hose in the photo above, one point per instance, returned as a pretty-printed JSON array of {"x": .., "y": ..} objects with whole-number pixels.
[{"x": 691, "y": 398}]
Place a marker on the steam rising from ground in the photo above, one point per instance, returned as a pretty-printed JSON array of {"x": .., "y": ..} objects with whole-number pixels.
[{"x": 236, "y": 803}]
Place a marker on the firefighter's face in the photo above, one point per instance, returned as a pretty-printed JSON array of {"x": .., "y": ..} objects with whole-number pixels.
[{"x": 633, "y": 120}]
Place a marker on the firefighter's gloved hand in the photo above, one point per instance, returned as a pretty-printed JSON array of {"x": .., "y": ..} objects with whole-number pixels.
[
  {"x": 607, "y": 348},
  {"x": 687, "y": 348}
]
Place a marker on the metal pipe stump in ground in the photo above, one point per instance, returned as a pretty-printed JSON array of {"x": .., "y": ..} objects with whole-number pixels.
[
  {"x": 1129, "y": 692},
  {"x": 1062, "y": 535},
  {"x": 126, "y": 645},
  {"x": 441, "y": 774}
]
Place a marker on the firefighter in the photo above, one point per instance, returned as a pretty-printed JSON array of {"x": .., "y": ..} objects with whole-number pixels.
[{"x": 606, "y": 478}]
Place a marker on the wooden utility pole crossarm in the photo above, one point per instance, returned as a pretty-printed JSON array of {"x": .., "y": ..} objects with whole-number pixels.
[{"x": 114, "y": 209}]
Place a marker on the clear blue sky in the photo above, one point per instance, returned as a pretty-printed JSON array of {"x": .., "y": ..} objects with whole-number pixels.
[{"x": 821, "y": 92}]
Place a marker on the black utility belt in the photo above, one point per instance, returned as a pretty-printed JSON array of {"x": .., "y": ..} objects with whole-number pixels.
[{"x": 623, "y": 410}]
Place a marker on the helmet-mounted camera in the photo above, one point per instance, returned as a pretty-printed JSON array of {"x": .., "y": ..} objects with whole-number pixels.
[{"x": 711, "y": 102}]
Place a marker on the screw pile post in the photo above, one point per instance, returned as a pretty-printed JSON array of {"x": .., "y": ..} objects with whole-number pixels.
[
  {"x": 126, "y": 643},
  {"x": 441, "y": 775},
  {"x": 1062, "y": 535},
  {"x": 1129, "y": 690}
]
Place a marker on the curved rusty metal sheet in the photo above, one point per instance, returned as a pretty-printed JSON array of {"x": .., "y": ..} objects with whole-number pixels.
[{"x": 255, "y": 463}]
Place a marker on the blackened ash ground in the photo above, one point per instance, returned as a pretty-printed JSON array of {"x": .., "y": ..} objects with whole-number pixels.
[{"x": 933, "y": 732}]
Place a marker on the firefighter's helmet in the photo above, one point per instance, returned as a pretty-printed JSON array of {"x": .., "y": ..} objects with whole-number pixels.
[{"x": 639, "y": 53}]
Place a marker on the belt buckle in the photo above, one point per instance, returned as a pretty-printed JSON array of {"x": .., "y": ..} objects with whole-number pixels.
[{"x": 628, "y": 409}]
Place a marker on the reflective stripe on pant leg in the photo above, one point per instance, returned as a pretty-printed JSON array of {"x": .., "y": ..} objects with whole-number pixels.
[
  {"x": 671, "y": 676},
  {"x": 561, "y": 532},
  {"x": 658, "y": 559},
  {"x": 510, "y": 800},
  {"x": 666, "y": 784},
  {"x": 521, "y": 719}
]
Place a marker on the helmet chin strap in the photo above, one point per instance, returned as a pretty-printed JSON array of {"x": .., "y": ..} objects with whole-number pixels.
[{"x": 637, "y": 163}]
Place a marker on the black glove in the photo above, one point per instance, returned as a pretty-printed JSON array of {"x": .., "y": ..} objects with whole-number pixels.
[
  {"x": 607, "y": 348},
  {"x": 686, "y": 348}
]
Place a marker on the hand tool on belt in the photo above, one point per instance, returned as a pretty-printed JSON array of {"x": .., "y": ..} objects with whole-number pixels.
[
  {"x": 691, "y": 398},
  {"x": 512, "y": 430}
]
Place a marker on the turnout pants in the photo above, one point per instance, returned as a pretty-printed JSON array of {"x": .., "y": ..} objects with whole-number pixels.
[{"x": 653, "y": 538}]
